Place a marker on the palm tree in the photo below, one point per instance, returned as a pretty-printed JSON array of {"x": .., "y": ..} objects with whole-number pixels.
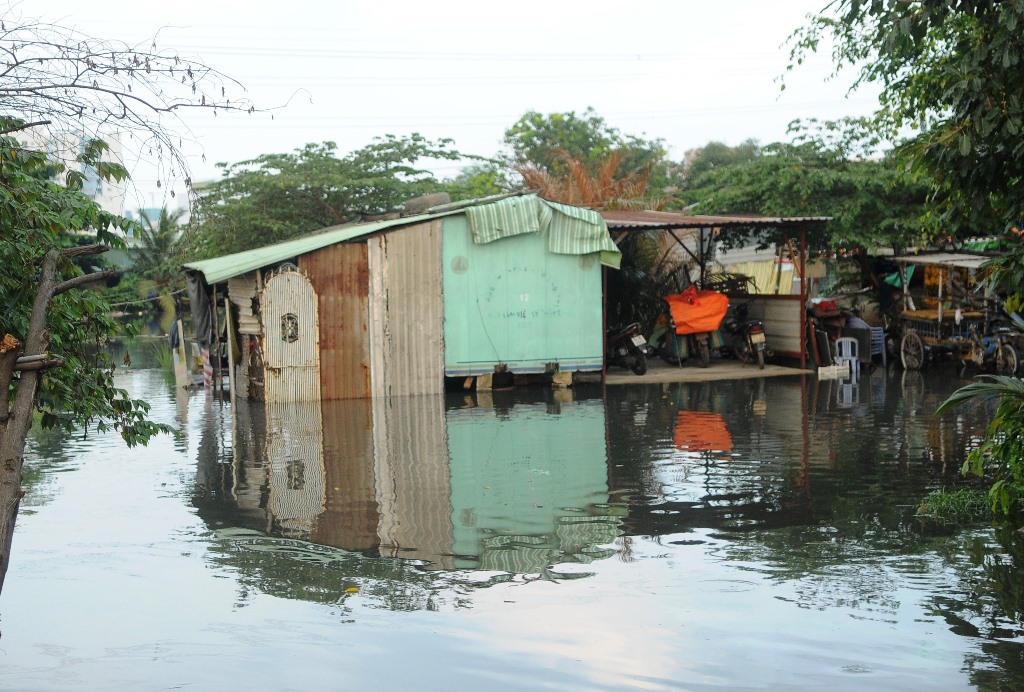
[
  {"x": 599, "y": 188},
  {"x": 1000, "y": 455},
  {"x": 157, "y": 253}
]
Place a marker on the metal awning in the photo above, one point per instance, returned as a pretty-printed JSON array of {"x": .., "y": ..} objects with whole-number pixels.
[
  {"x": 626, "y": 220},
  {"x": 945, "y": 259}
]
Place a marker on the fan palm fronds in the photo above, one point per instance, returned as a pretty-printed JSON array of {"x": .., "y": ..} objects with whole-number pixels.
[{"x": 596, "y": 188}]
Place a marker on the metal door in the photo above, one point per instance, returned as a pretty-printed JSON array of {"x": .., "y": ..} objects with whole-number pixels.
[{"x": 291, "y": 338}]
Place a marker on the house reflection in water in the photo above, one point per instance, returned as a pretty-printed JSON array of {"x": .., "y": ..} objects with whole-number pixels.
[{"x": 482, "y": 482}]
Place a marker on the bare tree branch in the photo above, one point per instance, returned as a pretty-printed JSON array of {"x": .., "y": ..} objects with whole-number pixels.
[
  {"x": 23, "y": 126},
  {"x": 68, "y": 82}
]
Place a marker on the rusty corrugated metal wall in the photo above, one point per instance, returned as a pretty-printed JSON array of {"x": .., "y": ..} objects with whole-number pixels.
[
  {"x": 339, "y": 273},
  {"x": 406, "y": 311}
]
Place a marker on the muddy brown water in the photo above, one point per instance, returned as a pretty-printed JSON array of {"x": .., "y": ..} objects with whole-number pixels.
[{"x": 754, "y": 534}]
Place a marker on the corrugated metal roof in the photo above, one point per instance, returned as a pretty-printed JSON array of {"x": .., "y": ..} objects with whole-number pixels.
[
  {"x": 652, "y": 220},
  {"x": 223, "y": 268},
  {"x": 946, "y": 259}
]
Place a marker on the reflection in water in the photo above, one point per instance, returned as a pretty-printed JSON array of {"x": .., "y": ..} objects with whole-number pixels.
[
  {"x": 804, "y": 484},
  {"x": 513, "y": 486},
  {"x": 769, "y": 521}
]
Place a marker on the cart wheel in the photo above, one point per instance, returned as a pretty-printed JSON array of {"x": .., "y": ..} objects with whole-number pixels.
[
  {"x": 1006, "y": 360},
  {"x": 912, "y": 351}
]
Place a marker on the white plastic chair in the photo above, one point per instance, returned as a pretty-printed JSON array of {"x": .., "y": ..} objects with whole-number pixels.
[{"x": 848, "y": 353}]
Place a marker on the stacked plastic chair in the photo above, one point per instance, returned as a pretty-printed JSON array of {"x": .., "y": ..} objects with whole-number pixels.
[
  {"x": 878, "y": 343},
  {"x": 848, "y": 354}
]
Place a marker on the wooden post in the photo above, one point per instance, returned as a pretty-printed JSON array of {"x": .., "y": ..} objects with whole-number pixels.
[
  {"x": 231, "y": 350},
  {"x": 182, "y": 370},
  {"x": 803, "y": 295},
  {"x": 798, "y": 265},
  {"x": 215, "y": 346}
]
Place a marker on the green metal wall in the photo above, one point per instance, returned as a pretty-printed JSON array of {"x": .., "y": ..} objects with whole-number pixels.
[{"x": 513, "y": 302}]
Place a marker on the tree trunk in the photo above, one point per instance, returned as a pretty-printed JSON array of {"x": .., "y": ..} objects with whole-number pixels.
[{"x": 19, "y": 416}]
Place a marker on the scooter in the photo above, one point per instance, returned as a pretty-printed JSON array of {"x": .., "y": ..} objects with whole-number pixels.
[
  {"x": 626, "y": 347},
  {"x": 675, "y": 348},
  {"x": 748, "y": 342}
]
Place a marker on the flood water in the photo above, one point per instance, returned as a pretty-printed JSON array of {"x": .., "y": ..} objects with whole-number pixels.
[{"x": 757, "y": 534}]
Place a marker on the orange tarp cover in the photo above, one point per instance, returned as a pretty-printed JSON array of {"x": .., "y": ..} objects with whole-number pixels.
[
  {"x": 697, "y": 311},
  {"x": 698, "y": 431}
]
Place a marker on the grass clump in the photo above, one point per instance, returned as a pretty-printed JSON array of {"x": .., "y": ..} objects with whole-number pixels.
[{"x": 961, "y": 506}]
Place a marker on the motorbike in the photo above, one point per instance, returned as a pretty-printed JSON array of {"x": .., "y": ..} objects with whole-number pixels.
[
  {"x": 748, "y": 340},
  {"x": 626, "y": 347},
  {"x": 674, "y": 348}
]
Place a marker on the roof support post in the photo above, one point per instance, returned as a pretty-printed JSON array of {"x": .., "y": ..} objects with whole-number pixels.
[{"x": 803, "y": 296}]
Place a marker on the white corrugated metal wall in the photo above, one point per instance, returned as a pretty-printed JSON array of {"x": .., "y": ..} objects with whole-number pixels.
[{"x": 406, "y": 311}]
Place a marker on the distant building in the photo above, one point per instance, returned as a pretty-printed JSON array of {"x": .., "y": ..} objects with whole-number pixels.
[{"x": 66, "y": 147}]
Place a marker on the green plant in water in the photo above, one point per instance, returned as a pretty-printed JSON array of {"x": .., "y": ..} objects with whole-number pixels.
[
  {"x": 960, "y": 506},
  {"x": 1000, "y": 456},
  {"x": 162, "y": 356}
]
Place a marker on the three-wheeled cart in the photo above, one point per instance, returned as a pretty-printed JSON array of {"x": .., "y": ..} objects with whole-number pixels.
[{"x": 949, "y": 317}]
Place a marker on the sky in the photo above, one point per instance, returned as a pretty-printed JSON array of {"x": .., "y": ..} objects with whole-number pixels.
[{"x": 685, "y": 71}]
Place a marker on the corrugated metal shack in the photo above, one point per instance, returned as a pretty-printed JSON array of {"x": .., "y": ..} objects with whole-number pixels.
[
  {"x": 393, "y": 307},
  {"x": 692, "y": 237}
]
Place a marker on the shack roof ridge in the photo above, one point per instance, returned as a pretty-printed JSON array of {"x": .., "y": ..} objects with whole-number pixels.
[{"x": 224, "y": 267}]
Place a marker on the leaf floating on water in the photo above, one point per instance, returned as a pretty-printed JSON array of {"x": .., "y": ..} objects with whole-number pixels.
[{"x": 352, "y": 589}]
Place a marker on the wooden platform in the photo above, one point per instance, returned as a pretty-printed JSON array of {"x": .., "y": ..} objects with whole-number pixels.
[{"x": 725, "y": 369}]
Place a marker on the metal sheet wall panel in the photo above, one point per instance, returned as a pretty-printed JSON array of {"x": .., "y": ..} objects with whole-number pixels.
[
  {"x": 406, "y": 311},
  {"x": 413, "y": 478},
  {"x": 781, "y": 318},
  {"x": 295, "y": 462},
  {"x": 351, "y": 518},
  {"x": 513, "y": 302},
  {"x": 340, "y": 275},
  {"x": 497, "y": 463},
  {"x": 291, "y": 343}
]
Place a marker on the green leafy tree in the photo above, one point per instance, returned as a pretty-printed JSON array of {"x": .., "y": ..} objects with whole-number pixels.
[
  {"x": 275, "y": 197},
  {"x": 715, "y": 155},
  {"x": 535, "y": 140},
  {"x": 52, "y": 357},
  {"x": 871, "y": 201},
  {"x": 60, "y": 82},
  {"x": 479, "y": 180},
  {"x": 952, "y": 71},
  {"x": 1000, "y": 456}
]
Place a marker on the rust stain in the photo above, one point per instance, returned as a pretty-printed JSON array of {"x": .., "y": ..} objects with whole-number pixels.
[{"x": 340, "y": 275}]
